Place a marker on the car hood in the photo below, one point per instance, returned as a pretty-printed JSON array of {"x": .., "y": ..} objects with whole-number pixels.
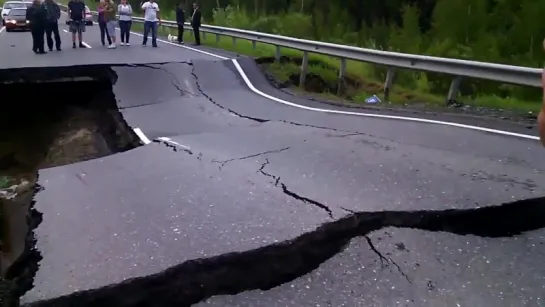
[{"x": 16, "y": 18}]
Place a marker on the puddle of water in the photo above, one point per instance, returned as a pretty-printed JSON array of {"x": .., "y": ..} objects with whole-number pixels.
[{"x": 48, "y": 125}]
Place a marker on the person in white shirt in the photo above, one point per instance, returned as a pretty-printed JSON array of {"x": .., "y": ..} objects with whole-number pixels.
[
  {"x": 125, "y": 21},
  {"x": 151, "y": 20}
]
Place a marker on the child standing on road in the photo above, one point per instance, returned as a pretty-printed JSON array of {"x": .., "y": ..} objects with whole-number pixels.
[{"x": 125, "y": 22}]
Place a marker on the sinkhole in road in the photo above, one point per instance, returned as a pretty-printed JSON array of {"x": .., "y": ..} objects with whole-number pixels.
[{"x": 44, "y": 125}]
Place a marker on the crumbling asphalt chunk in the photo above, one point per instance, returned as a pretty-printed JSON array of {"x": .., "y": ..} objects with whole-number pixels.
[
  {"x": 270, "y": 266},
  {"x": 18, "y": 279}
]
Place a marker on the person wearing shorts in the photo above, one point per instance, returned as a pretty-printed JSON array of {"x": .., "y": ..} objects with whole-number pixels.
[
  {"x": 76, "y": 11},
  {"x": 111, "y": 21}
]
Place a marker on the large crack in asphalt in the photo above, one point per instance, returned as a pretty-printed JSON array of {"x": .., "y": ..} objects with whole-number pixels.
[
  {"x": 287, "y": 191},
  {"x": 270, "y": 266},
  {"x": 199, "y": 88}
]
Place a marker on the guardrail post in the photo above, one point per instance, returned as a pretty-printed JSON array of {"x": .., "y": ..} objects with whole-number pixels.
[
  {"x": 388, "y": 83},
  {"x": 304, "y": 69},
  {"x": 234, "y": 42},
  {"x": 253, "y": 45},
  {"x": 342, "y": 71},
  {"x": 453, "y": 90},
  {"x": 204, "y": 36},
  {"x": 217, "y": 38},
  {"x": 278, "y": 53}
]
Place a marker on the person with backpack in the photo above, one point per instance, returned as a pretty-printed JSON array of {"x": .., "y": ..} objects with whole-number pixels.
[
  {"x": 102, "y": 24},
  {"x": 125, "y": 22},
  {"x": 180, "y": 20},
  {"x": 52, "y": 13}
]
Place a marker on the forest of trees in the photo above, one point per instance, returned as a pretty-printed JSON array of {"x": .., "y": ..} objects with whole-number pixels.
[{"x": 501, "y": 31}]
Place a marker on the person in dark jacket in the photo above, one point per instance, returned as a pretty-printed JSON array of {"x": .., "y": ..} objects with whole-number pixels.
[
  {"x": 52, "y": 15},
  {"x": 180, "y": 19},
  {"x": 36, "y": 17},
  {"x": 196, "y": 23}
]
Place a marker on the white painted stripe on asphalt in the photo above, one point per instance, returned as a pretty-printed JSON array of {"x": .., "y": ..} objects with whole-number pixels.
[
  {"x": 413, "y": 119},
  {"x": 142, "y": 136},
  {"x": 2, "y": 29}
]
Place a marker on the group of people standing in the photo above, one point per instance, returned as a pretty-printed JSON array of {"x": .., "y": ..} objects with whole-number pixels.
[{"x": 43, "y": 18}]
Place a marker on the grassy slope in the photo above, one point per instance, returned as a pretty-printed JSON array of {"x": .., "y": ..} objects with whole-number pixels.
[{"x": 328, "y": 67}]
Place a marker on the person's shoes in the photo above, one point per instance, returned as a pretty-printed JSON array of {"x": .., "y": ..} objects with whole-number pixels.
[
  {"x": 154, "y": 46},
  {"x": 50, "y": 49},
  {"x": 122, "y": 44},
  {"x": 74, "y": 45},
  {"x": 127, "y": 44},
  {"x": 59, "y": 49},
  {"x": 81, "y": 45},
  {"x": 112, "y": 46},
  {"x": 143, "y": 45},
  {"x": 103, "y": 44},
  {"x": 41, "y": 52}
]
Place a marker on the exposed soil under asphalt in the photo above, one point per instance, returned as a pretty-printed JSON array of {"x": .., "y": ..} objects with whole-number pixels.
[{"x": 47, "y": 125}]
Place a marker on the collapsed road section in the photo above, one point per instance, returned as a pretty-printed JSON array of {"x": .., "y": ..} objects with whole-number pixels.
[{"x": 49, "y": 118}]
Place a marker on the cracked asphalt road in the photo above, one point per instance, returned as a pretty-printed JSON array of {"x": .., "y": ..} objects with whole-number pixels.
[{"x": 285, "y": 207}]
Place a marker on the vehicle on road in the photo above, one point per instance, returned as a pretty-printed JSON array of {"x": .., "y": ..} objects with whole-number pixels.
[
  {"x": 88, "y": 17},
  {"x": 28, "y": 3},
  {"x": 8, "y": 6},
  {"x": 16, "y": 20}
]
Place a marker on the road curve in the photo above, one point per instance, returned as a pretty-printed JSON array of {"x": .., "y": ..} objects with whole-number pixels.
[{"x": 313, "y": 208}]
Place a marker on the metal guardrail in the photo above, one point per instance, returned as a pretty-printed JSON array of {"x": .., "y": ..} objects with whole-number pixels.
[{"x": 458, "y": 68}]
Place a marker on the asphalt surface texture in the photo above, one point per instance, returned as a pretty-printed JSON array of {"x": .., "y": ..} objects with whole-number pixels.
[{"x": 250, "y": 202}]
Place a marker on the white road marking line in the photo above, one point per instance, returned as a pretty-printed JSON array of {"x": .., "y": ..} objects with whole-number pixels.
[
  {"x": 413, "y": 119},
  {"x": 142, "y": 136},
  {"x": 2, "y": 29},
  {"x": 186, "y": 47},
  {"x": 168, "y": 140}
]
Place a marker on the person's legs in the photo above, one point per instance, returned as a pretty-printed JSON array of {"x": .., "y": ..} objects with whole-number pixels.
[
  {"x": 128, "y": 33},
  {"x": 154, "y": 34},
  {"x": 102, "y": 27},
  {"x": 55, "y": 30},
  {"x": 110, "y": 26},
  {"x": 74, "y": 30},
  {"x": 147, "y": 25},
  {"x": 122, "y": 30},
  {"x": 180, "y": 33},
  {"x": 81, "y": 29},
  {"x": 40, "y": 40},
  {"x": 48, "y": 32},
  {"x": 34, "y": 39},
  {"x": 197, "y": 35}
]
